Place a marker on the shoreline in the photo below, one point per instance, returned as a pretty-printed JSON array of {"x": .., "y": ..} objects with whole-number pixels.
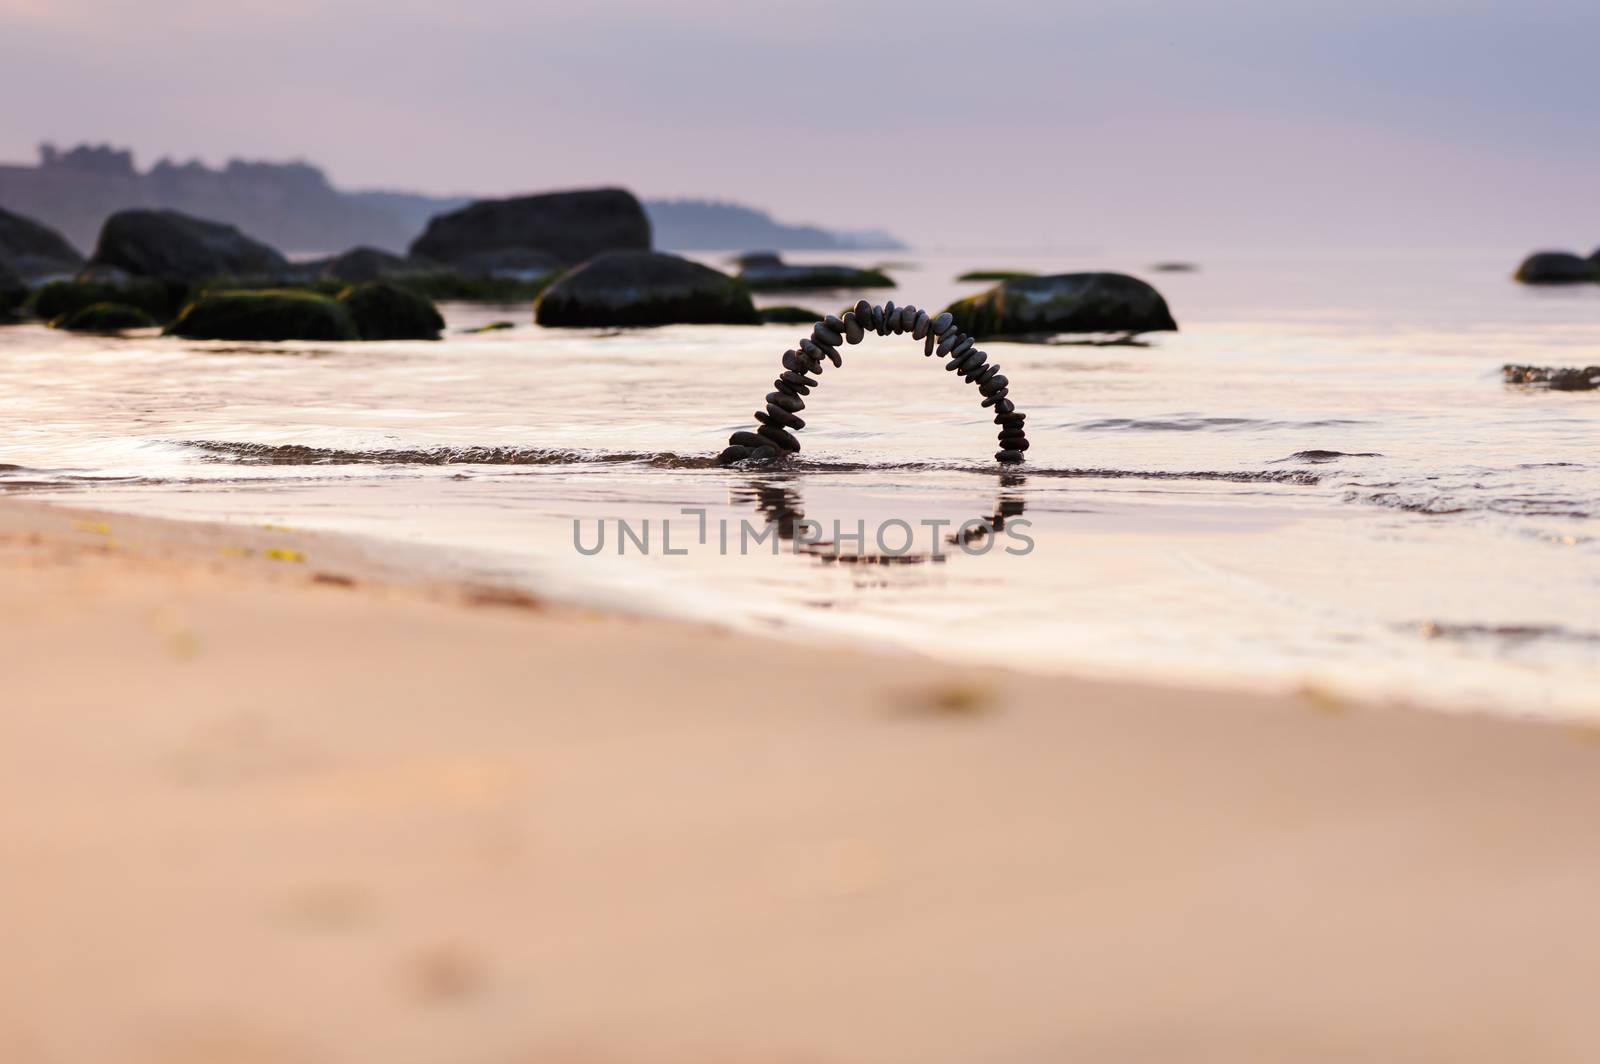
[{"x": 289, "y": 796}]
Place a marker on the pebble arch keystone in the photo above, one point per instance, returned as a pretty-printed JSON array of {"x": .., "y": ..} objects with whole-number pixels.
[{"x": 775, "y": 426}]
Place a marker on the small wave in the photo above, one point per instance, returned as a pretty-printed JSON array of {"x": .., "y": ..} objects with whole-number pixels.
[
  {"x": 1519, "y": 633},
  {"x": 1319, "y": 457},
  {"x": 1446, "y": 504},
  {"x": 1198, "y": 424},
  {"x": 294, "y": 454}
]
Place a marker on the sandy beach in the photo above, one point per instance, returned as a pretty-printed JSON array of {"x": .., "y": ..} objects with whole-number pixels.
[{"x": 274, "y": 796}]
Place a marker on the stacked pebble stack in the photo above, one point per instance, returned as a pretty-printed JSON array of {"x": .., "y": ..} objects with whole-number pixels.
[{"x": 804, "y": 363}]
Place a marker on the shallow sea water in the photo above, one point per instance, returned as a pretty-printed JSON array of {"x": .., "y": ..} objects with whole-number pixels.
[{"x": 1321, "y": 480}]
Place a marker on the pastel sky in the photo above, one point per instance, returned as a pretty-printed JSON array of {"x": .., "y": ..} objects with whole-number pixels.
[{"x": 1006, "y": 123}]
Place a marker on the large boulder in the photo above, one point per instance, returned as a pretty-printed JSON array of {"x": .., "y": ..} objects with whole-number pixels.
[
  {"x": 570, "y": 226},
  {"x": 766, "y": 272},
  {"x": 644, "y": 288},
  {"x": 13, "y": 292},
  {"x": 1065, "y": 303},
  {"x": 1555, "y": 267},
  {"x": 265, "y": 314},
  {"x": 385, "y": 311},
  {"x": 176, "y": 247},
  {"x": 104, "y": 318},
  {"x": 36, "y": 253}
]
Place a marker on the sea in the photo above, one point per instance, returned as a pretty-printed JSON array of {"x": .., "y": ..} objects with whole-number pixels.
[{"x": 1320, "y": 483}]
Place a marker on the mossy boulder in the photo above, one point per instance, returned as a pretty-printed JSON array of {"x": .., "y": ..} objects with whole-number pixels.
[
  {"x": 160, "y": 299},
  {"x": 384, "y": 311},
  {"x": 644, "y": 288},
  {"x": 787, "y": 315},
  {"x": 1556, "y": 267},
  {"x": 104, "y": 318},
  {"x": 34, "y": 252},
  {"x": 766, "y": 272},
  {"x": 173, "y": 246},
  {"x": 13, "y": 292},
  {"x": 265, "y": 314},
  {"x": 1065, "y": 303},
  {"x": 995, "y": 275}
]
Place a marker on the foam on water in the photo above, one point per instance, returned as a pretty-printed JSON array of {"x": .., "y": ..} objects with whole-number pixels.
[{"x": 1321, "y": 479}]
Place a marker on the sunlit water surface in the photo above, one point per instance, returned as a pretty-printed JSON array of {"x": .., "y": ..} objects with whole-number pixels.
[{"x": 1321, "y": 480}]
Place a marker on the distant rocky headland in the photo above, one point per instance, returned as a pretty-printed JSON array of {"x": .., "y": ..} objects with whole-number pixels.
[{"x": 294, "y": 207}]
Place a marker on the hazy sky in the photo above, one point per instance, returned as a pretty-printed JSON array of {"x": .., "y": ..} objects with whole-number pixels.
[{"x": 1158, "y": 124}]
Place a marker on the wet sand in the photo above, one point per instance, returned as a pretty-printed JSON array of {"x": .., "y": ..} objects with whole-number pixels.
[{"x": 270, "y": 796}]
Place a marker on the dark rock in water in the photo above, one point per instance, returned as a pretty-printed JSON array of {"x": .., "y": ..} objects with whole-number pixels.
[
  {"x": 756, "y": 258},
  {"x": 1555, "y": 267},
  {"x": 994, "y": 275},
  {"x": 1066, "y": 303},
  {"x": 1575, "y": 380},
  {"x": 13, "y": 292},
  {"x": 384, "y": 311},
  {"x": 493, "y": 326},
  {"x": 1175, "y": 267},
  {"x": 770, "y": 275},
  {"x": 104, "y": 318},
  {"x": 160, "y": 299},
  {"x": 265, "y": 314},
  {"x": 644, "y": 288},
  {"x": 792, "y": 403},
  {"x": 372, "y": 264},
  {"x": 568, "y": 226},
  {"x": 787, "y": 315},
  {"x": 170, "y": 246},
  {"x": 1012, "y": 418},
  {"x": 743, "y": 438},
  {"x": 1008, "y": 456},
  {"x": 733, "y": 454},
  {"x": 1557, "y": 379},
  {"x": 1020, "y": 444},
  {"x": 779, "y": 436},
  {"x": 35, "y": 253}
]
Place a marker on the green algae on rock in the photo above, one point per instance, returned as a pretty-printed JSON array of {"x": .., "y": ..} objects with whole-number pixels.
[
  {"x": 265, "y": 314},
  {"x": 104, "y": 318},
  {"x": 624, "y": 288},
  {"x": 384, "y": 311}
]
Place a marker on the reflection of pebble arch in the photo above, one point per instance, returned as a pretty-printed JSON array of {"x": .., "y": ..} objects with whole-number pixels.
[{"x": 773, "y": 438}]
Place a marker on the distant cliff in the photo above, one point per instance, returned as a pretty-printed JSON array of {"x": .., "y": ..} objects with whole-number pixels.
[
  {"x": 706, "y": 225},
  {"x": 293, "y": 207}
]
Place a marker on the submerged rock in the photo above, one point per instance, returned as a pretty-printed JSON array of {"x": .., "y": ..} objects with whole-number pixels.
[
  {"x": 644, "y": 288},
  {"x": 788, "y": 315},
  {"x": 160, "y": 299},
  {"x": 13, "y": 292},
  {"x": 567, "y": 226},
  {"x": 104, "y": 318},
  {"x": 35, "y": 253},
  {"x": 384, "y": 311},
  {"x": 995, "y": 275},
  {"x": 171, "y": 246},
  {"x": 768, "y": 272},
  {"x": 1555, "y": 267},
  {"x": 265, "y": 314},
  {"x": 1556, "y": 379},
  {"x": 1066, "y": 303}
]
